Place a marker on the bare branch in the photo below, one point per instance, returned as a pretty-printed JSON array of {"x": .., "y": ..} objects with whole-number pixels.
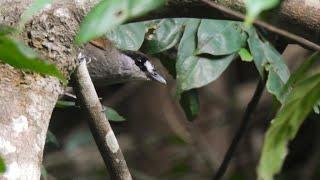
[{"x": 99, "y": 124}]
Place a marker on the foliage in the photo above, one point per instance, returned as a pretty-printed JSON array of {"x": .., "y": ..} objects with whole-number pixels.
[
  {"x": 255, "y": 7},
  {"x": 20, "y": 56},
  {"x": 35, "y": 7},
  {"x": 112, "y": 115},
  {"x": 284, "y": 127},
  {"x": 266, "y": 58},
  {"x": 106, "y": 15},
  {"x": 189, "y": 101},
  {"x": 2, "y": 166},
  {"x": 245, "y": 55},
  {"x": 205, "y": 49}
]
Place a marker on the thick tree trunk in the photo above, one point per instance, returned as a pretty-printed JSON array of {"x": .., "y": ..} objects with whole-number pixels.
[{"x": 27, "y": 99}]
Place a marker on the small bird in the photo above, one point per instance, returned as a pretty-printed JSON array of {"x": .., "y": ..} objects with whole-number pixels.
[{"x": 110, "y": 65}]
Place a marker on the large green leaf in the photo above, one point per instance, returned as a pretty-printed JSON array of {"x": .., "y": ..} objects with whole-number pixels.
[
  {"x": 284, "y": 127},
  {"x": 2, "y": 166},
  {"x": 162, "y": 35},
  {"x": 35, "y": 6},
  {"x": 197, "y": 71},
  {"x": 266, "y": 58},
  {"x": 220, "y": 37},
  {"x": 20, "y": 56},
  {"x": 106, "y": 15},
  {"x": 189, "y": 101},
  {"x": 255, "y": 7},
  {"x": 128, "y": 36}
]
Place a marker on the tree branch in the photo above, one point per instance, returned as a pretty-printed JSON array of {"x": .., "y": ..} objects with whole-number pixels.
[
  {"x": 288, "y": 35},
  {"x": 241, "y": 130},
  {"x": 99, "y": 124}
]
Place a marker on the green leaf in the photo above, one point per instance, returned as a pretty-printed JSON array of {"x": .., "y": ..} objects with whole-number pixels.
[
  {"x": 284, "y": 127},
  {"x": 162, "y": 35},
  {"x": 220, "y": 37},
  {"x": 20, "y": 56},
  {"x": 245, "y": 55},
  {"x": 112, "y": 115},
  {"x": 65, "y": 104},
  {"x": 44, "y": 173},
  {"x": 102, "y": 18},
  {"x": 2, "y": 166},
  {"x": 197, "y": 71},
  {"x": 301, "y": 71},
  {"x": 255, "y": 7},
  {"x": 51, "y": 138},
  {"x": 189, "y": 101},
  {"x": 35, "y": 7},
  {"x": 128, "y": 36},
  {"x": 140, "y": 7},
  {"x": 106, "y": 15},
  {"x": 266, "y": 58},
  {"x": 316, "y": 108}
]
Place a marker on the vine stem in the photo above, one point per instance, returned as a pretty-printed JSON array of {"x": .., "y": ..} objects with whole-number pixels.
[
  {"x": 99, "y": 124},
  {"x": 242, "y": 129}
]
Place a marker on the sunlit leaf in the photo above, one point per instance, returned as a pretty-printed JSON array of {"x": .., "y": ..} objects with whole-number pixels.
[
  {"x": 128, "y": 36},
  {"x": 285, "y": 126},
  {"x": 20, "y": 56},
  {"x": 35, "y": 7},
  {"x": 255, "y": 7},
  {"x": 112, "y": 115},
  {"x": 162, "y": 35},
  {"x": 245, "y": 55},
  {"x": 189, "y": 101},
  {"x": 106, "y": 15},
  {"x": 220, "y": 37}
]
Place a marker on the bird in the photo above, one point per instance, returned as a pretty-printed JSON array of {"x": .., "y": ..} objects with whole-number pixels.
[{"x": 110, "y": 65}]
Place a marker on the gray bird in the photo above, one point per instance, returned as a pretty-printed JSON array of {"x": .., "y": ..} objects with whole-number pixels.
[{"x": 109, "y": 65}]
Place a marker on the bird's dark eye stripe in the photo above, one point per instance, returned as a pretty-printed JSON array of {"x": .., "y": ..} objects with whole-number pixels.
[{"x": 139, "y": 59}]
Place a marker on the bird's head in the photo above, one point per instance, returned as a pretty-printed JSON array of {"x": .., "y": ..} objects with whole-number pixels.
[
  {"x": 109, "y": 65},
  {"x": 144, "y": 64}
]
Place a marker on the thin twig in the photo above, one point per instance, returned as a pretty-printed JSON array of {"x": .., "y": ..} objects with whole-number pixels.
[
  {"x": 99, "y": 124},
  {"x": 241, "y": 130},
  {"x": 269, "y": 27}
]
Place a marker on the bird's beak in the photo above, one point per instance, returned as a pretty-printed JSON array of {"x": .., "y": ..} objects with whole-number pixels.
[{"x": 157, "y": 77}]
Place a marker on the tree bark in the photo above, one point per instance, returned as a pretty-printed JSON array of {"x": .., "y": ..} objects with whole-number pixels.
[
  {"x": 300, "y": 17},
  {"x": 27, "y": 99}
]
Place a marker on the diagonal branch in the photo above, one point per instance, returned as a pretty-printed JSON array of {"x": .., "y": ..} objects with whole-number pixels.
[
  {"x": 265, "y": 25},
  {"x": 99, "y": 124},
  {"x": 241, "y": 130}
]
